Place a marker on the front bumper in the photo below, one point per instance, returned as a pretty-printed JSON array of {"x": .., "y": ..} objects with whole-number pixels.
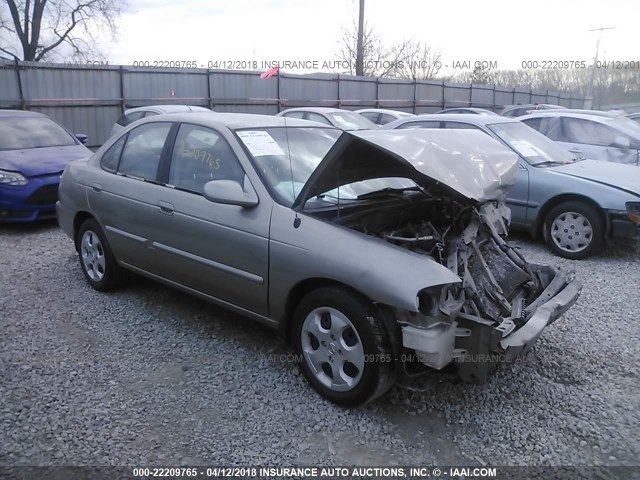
[
  {"x": 34, "y": 201},
  {"x": 622, "y": 229},
  {"x": 561, "y": 299}
]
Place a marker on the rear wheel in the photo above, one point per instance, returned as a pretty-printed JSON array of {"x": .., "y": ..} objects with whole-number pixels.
[
  {"x": 574, "y": 230},
  {"x": 346, "y": 355},
  {"x": 96, "y": 259}
]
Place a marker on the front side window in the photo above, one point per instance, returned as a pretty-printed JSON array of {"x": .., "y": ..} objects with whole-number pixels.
[
  {"x": 578, "y": 130},
  {"x": 141, "y": 154},
  {"x": 111, "y": 157},
  {"x": 201, "y": 155},
  {"x": 19, "y": 133}
]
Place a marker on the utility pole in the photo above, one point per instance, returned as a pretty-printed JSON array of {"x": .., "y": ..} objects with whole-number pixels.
[
  {"x": 589, "y": 99},
  {"x": 359, "y": 46}
]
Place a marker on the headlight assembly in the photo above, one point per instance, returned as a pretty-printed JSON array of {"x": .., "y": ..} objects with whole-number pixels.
[{"x": 12, "y": 178}]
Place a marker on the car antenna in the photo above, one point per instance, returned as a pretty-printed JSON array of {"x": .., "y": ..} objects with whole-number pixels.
[{"x": 296, "y": 221}]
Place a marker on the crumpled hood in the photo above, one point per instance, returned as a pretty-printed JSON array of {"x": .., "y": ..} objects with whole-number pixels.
[
  {"x": 468, "y": 162},
  {"x": 617, "y": 175},
  {"x": 41, "y": 161}
]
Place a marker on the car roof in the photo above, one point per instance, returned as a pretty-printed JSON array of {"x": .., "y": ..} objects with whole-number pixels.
[
  {"x": 317, "y": 110},
  {"x": 601, "y": 113},
  {"x": 533, "y": 106},
  {"x": 235, "y": 121},
  {"x": 481, "y": 111},
  {"x": 168, "y": 108},
  {"x": 585, "y": 114},
  {"x": 457, "y": 117},
  {"x": 19, "y": 113}
]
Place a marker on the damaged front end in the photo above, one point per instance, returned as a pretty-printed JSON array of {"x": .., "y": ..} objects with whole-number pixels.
[
  {"x": 499, "y": 308},
  {"x": 455, "y": 215}
]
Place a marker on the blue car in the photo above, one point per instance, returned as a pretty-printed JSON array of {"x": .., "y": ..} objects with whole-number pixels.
[{"x": 33, "y": 153}]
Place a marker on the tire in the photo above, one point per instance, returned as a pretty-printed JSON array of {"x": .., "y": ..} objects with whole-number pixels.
[
  {"x": 96, "y": 259},
  {"x": 358, "y": 335},
  {"x": 584, "y": 232}
]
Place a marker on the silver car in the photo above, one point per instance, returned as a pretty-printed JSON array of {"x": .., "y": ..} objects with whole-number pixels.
[
  {"x": 131, "y": 115},
  {"x": 382, "y": 116},
  {"x": 342, "y": 119},
  {"x": 607, "y": 136},
  {"x": 380, "y": 255},
  {"x": 576, "y": 206},
  {"x": 512, "y": 111}
]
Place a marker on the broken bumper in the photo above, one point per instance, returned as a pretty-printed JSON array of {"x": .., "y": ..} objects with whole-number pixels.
[{"x": 560, "y": 300}]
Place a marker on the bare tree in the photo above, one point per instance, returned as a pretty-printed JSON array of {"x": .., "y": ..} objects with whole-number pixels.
[
  {"x": 419, "y": 62},
  {"x": 34, "y": 29},
  {"x": 408, "y": 59}
]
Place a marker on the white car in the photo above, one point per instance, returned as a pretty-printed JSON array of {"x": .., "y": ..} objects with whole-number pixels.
[
  {"x": 336, "y": 117},
  {"x": 382, "y": 116},
  {"x": 133, "y": 114},
  {"x": 593, "y": 135}
]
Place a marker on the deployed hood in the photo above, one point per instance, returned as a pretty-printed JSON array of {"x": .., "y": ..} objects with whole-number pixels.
[
  {"x": 41, "y": 161},
  {"x": 617, "y": 175},
  {"x": 467, "y": 162}
]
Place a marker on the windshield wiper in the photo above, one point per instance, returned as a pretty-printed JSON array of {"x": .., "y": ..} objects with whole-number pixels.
[
  {"x": 388, "y": 192},
  {"x": 551, "y": 162}
]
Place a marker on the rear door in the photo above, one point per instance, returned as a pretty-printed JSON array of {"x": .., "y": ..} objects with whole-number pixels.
[
  {"x": 219, "y": 250},
  {"x": 125, "y": 192}
]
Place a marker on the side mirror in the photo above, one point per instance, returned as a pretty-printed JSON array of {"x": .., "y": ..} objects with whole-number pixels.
[
  {"x": 82, "y": 138},
  {"x": 229, "y": 192},
  {"x": 621, "y": 142}
]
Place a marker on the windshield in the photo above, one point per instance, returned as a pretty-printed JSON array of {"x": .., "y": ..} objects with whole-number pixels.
[
  {"x": 18, "y": 133},
  {"x": 531, "y": 145},
  {"x": 307, "y": 147},
  {"x": 351, "y": 121}
]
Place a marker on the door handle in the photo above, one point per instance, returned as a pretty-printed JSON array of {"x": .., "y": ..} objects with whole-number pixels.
[
  {"x": 96, "y": 187},
  {"x": 166, "y": 208}
]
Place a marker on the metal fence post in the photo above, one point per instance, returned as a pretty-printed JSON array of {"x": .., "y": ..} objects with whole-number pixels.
[
  {"x": 23, "y": 103},
  {"x": 123, "y": 102},
  {"x": 377, "y": 92},
  {"x": 338, "y": 77},
  {"x": 415, "y": 93},
  {"x": 210, "y": 103},
  {"x": 278, "y": 93},
  {"x": 443, "y": 96}
]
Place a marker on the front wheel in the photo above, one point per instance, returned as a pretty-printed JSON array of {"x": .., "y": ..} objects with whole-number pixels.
[
  {"x": 345, "y": 352},
  {"x": 574, "y": 230}
]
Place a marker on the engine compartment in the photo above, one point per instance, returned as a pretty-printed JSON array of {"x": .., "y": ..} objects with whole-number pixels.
[{"x": 498, "y": 291}]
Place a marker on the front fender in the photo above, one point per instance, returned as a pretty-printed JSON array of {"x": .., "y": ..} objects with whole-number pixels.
[{"x": 383, "y": 272}]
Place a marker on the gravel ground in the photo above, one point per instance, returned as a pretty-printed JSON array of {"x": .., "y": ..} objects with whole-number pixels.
[{"x": 148, "y": 375}]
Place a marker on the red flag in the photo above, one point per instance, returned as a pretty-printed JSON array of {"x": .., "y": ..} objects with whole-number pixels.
[{"x": 270, "y": 73}]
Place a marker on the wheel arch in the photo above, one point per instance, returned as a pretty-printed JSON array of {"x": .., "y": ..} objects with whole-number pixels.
[
  {"x": 557, "y": 200},
  {"x": 78, "y": 220},
  {"x": 300, "y": 290}
]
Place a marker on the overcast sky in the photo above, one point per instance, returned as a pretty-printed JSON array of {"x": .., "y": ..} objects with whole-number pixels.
[{"x": 504, "y": 31}]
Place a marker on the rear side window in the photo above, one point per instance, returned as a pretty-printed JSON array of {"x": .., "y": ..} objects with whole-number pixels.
[
  {"x": 141, "y": 154},
  {"x": 373, "y": 116},
  {"x": 111, "y": 157},
  {"x": 385, "y": 118},
  {"x": 129, "y": 118},
  {"x": 420, "y": 125},
  {"x": 316, "y": 117},
  {"x": 296, "y": 114},
  {"x": 201, "y": 155},
  {"x": 466, "y": 126}
]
